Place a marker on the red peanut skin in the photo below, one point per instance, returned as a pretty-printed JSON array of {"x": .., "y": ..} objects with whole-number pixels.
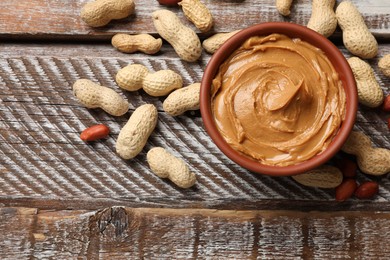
[
  {"x": 367, "y": 190},
  {"x": 95, "y": 132},
  {"x": 169, "y": 2},
  {"x": 346, "y": 189},
  {"x": 388, "y": 123},
  {"x": 347, "y": 167},
  {"x": 386, "y": 104}
]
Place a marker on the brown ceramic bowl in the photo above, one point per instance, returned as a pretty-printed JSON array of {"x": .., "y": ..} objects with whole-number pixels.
[{"x": 293, "y": 31}]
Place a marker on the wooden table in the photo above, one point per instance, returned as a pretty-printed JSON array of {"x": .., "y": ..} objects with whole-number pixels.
[{"x": 64, "y": 199}]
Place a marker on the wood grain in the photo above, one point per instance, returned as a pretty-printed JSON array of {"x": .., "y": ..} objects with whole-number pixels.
[
  {"x": 47, "y": 19},
  {"x": 144, "y": 233},
  {"x": 42, "y": 156},
  {"x": 61, "y": 198}
]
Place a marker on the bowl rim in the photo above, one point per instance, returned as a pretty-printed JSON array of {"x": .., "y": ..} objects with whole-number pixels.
[{"x": 310, "y": 36}]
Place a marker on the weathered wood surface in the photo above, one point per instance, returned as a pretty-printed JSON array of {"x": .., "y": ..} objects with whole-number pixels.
[
  {"x": 43, "y": 156},
  {"x": 144, "y": 233},
  {"x": 60, "y": 19},
  {"x": 56, "y": 192}
]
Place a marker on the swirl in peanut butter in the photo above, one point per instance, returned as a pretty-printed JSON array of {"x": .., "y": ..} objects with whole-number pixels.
[{"x": 278, "y": 100}]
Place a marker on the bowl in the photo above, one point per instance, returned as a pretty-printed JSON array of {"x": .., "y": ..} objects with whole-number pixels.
[{"x": 293, "y": 31}]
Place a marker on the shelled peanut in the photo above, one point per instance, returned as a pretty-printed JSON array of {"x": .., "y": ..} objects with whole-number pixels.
[
  {"x": 346, "y": 189},
  {"x": 323, "y": 18},
  {"x": 136, "y": 76},
  {"x": 370, "y": 92},
  {"x": 366, "y": 190},
  {"x": 182, "y": 100},
  {"x": 350, "y": 187},
  {"x": 357, "y": 37},
  {"x": 348, "y": 167},
  {"x": 386, "y": 104},
  {"x": 169, "y": 2},
  {"x": 183, "y": 39},
  {"x": 198, "y": 13},
  {"x": 132, "y": 43},
  {"x": 94, "y": 133},
  {"x": 213, "y": 43},
  {"x": 386, "y": 108},
  {"x": 92, "y": 95},
  {"x": 100, "y": 12},
  {"x": 134, "y": 135},
  {"x": 165, "y": 165}
]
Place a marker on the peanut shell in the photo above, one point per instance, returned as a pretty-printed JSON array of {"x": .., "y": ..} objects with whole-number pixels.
[
  {"x": 132, "y": 43},
  {"x": 100, "y": 12},
  {"x": 92, "y": 95},
  {"x": 134, "y": 135},
  {"x": 370, "y": 92},
  {"x": 323, "y": 18},
  {"x": 356, "y": 36},
  {"x": 198, "y": 14},
  {"x": 182, "y": 100},
  {"x": 325, "y": 176},
  {"x": 384, "y": 65},
  {"x": 372, "y": 161},
  {"x": 162, "y": 82},
  {"x": 183, "y": 39},
  {"x": 212, "y": 44},
  {"x": 131, "y": 77},
  {"x": 165, "y": 165}
]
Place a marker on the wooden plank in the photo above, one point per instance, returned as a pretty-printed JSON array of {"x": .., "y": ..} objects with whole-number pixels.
[
  {"x": 306, "y": 205},
  {"x": 36, "y": 19},
  {"x": 16, "y": 244},
  {"x": 42, "y": 156},
  {"x": 138, "y": 233}
]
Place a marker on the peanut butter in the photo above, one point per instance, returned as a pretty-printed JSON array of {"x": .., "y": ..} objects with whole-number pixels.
[{"x": 278, "y": 100}]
